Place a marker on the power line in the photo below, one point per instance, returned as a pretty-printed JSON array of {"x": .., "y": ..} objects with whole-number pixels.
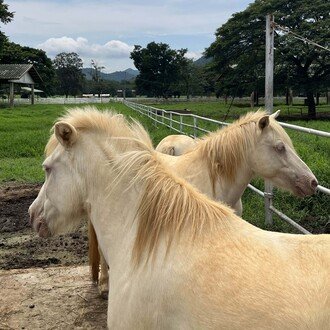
[{"x": 297, "y": 36}]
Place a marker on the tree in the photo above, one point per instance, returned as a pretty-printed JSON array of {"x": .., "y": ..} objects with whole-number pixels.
[
  {"x": 239, "y": 49},
  {"x": 192, "y": 80},
  {"x": 104, "y": 86},
  {"x": 160, "y": 68},
  {"x": 70, "y": 78},
  {"x": 96, "y": 76},
  {"x": 5, "y": 17},
  {"x": 17, "y": 54}
]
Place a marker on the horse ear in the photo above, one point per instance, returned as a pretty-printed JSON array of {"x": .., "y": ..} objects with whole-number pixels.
[
  {"x": 263, "y": 122},
  {"x": 275, "y": 114},
  {"x": 65, "y": 133}
]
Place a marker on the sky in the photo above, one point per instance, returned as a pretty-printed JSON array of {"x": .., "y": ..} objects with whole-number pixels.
[{"x": 106, "y": 31}]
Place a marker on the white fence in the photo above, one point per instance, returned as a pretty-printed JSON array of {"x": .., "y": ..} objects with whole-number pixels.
[
  {"x": 163, "y": 117},
  {"x": 60, "y": 100},
  {"x": 82, "y": 100}
]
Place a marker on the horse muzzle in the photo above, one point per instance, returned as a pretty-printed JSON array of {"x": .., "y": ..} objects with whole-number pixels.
[
  {"x": 306, "y": 186},
  {"x": 38, "y": 223}
]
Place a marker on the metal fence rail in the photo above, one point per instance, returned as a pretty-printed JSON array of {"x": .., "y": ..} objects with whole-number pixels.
[{"x": 167, "y": 118}]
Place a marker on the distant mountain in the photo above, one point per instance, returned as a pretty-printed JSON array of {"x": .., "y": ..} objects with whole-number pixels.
[
  {"x": 203, "y": 61},
  {"x": 128, "y": 74}
]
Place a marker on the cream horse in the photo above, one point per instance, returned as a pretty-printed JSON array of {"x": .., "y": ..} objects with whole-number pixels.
[
  {"x": 178, "y": 260},
  {"x": 224, "y": 162},
  {"x": 176, "y": 145}
]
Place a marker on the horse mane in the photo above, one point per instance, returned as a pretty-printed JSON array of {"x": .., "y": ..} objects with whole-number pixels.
[
  {"x": 169, "y": 206},
  {"x": 227, "y": 148},
  {"x": 89, "y": 118}
]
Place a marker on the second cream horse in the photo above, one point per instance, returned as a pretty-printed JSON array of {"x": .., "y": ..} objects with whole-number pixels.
[{"x": 176, "y": 145}]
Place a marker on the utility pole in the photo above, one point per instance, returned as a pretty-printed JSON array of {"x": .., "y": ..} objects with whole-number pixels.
[
  {"x": 269, "y": 87},
  {"x": 269, "y": 61}
]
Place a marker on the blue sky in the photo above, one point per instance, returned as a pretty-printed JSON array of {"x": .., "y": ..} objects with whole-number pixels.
[{"x": 107, "y": 31}]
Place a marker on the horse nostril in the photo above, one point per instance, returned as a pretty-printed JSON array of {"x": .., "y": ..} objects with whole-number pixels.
[{"x": 314, "y": 183}]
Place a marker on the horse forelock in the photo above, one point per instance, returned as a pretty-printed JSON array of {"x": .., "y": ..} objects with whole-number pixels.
[
  {"x": 169, "y": 206},
  {"x": 228, "y": 148}
]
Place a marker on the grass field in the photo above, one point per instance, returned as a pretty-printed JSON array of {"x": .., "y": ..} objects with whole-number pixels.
[{"x": 24, "y": 132}]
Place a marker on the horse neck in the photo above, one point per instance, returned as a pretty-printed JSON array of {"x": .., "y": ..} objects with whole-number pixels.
[
  {"x": 224, "y": 188},
  {"x": 231, "y": 191},
  {"x": 111, "y": 217}
]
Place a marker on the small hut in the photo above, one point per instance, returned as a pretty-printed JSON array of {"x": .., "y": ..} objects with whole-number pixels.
[{"x": 24, "y": 74}]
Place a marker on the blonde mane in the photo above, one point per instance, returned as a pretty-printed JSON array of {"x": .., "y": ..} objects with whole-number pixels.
[
  {"x": 89, "y": 118},
  {"x": 169, "y": 206},
  {"x": 227, "y": 148}
]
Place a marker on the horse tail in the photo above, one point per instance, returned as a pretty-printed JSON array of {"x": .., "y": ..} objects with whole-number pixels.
[{"x": 93, "y": 252}]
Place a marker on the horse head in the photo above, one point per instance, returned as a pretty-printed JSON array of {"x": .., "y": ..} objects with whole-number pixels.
[
  {"x": 62, "y": 194},
  {"x": 275, "y": 159}
]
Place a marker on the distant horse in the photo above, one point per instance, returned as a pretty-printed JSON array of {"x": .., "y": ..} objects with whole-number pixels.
[
  {"x": 178, "y": 260},
  {"x": 223, "y": 163},
  {"x": 176, "y": 145}
]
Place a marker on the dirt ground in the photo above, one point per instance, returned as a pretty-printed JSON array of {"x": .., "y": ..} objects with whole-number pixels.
[{"x": 36, "y": 290}]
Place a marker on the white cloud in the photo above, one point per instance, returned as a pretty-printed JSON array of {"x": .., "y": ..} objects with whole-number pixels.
[
  {"x": 113, "y": 49},
  {"x": 194, "y": 55},
  {"x": 54, "y": 46}
]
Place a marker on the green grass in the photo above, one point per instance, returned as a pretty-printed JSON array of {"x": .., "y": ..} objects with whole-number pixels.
[
  {"x": 219, "y": 110},
  {"x": 24, "y": 132}
]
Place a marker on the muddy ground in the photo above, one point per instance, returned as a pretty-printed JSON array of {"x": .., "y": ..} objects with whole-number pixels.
[
  {"x": 42, "y": 282},
  {"x": 21, "y": 247}
]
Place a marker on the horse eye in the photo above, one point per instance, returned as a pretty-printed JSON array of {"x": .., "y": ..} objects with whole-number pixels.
[
  {"x": 47, "y": 169},
  {"x": 280, "y": 147}
]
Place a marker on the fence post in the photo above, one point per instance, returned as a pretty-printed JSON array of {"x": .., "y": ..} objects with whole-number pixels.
[
  {"x": 269, "y": 72},
  {"x": 181, "y": 124},
  {"x": 156, "y": 117},
  {"x": 195, "y": 126},
  {"x": 171, "y": 124}
]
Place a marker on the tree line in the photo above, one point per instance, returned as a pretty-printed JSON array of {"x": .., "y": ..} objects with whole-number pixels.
[{"x": 235, "y": 65}]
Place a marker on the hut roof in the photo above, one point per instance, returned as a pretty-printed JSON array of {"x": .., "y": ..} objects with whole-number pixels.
[{"x": 17, "y": 71}]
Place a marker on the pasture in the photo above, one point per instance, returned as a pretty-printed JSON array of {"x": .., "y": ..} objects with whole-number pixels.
[{"x": 25, "y": 130}]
